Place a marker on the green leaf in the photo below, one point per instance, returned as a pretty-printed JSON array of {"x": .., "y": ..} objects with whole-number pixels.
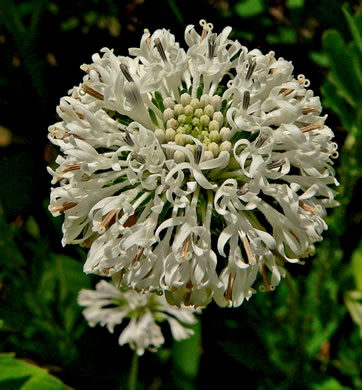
[
  {"x": 357, "y": 267},
  {"x": 353, "y": 26},
  {"x": 353, "y": 301},
  {"x": 329, "y": 384},
  {"x": 26, "y": 376},
  {"x": 186, "y": 353},
  {"x": 343, "y": 74},
  {"x": 249, "y": 8}
]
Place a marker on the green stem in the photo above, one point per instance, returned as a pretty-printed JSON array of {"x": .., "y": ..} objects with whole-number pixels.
[{"x": 132, "y": 384}]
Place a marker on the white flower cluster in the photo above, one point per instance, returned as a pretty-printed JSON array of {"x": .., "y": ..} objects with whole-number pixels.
[
  {"x": 192, "y": 171},
  {"x": 108, "y": 306}
]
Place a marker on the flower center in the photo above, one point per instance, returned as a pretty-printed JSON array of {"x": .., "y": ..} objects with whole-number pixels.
[{"x": 201, "y": 118}]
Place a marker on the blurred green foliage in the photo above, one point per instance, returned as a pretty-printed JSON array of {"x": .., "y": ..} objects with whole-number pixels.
[{"x": 305, "y": 335}]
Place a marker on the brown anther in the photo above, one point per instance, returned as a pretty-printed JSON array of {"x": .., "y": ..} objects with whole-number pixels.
[
  {"x": 243, "y": 190},
  {"x": 308, "y": 110},
  {"x": 251, "y": 68},
  {"x": 109, "y": 219},
  {"x": 186, "y": 246},
  {"x": 126, "y": 74},
  {"x": 92, "y": 92},
  {"x": 130, "y": 221},
  {"x": 246, "y": 100},
  {"x": 276, "y": 164},
  {"x": 307, "y": 206},
  {"x": 71, "y": 167},
  {"x": 286, "y": 91},
  {"x": 212, "y": 45},
  {"x": 138, "y": 256},
  {"x": 187, "y": 296},
  {"x": 248, "y": 250},
  {"x": 229, "y": 289},
  {"x": 160, "y": 50},
  {"x": 63, "y": 207},
  {"x": 267, "y": 284},
  {"x": 105, "y": 271},
  {"x": 312, "y": 126}
]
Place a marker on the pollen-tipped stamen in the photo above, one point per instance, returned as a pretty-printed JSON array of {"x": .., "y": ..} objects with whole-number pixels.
[
  {"x": 126, "y": 74},
  {"x": 212, "y": 45},
  {"x": 250, "y": 71},
  {"x": 92, "y": 92},
  {"x": 160, "y": 50},
  {"x": 246, "y": 100}
]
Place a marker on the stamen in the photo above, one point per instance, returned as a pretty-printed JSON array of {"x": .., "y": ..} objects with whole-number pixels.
[
  {"x": 92, "y": 92},
  {"x": 206, "y": 27},
  {"x": 308, "y": 110},
  {"x": 148, "y": 40},
  {"x": 187, "y": 296},
  {"x": 246, "y": 100},
  {"x": 267, "y": 285},
  {"x": 125, "y": 71},
  {"x": 276, "y": 164},
  {"x": 71, "y": 167},
  {"x": 248, "y": 250},
  {"x": 198, "y": 154},
  {"x": 286, "y": 91},
  {"x": 110, "y": 217},
  {"x": 307, "y": 206},
  {"x": 186, "y": 246},
  {"x": 229, "y": 289},
  {"x": 127, "y": 138},
  {"x": 212, "y": 45},
  {"x": 138, "y": 256},
  {"x": 243, "y": 190},
  {"x": 251, "y": 68},
  {"x": 261, "y": 139},
  {"x": 63, "y": 207},
  {"x": 160, "y": 49},
  {"x": 139, "y": 158},
  {"x": 312, "y": 126}
]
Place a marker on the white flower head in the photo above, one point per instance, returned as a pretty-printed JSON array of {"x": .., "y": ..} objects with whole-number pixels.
[
  {"x": 109, "y": 306},
  {"x": 197, "y": 171}
]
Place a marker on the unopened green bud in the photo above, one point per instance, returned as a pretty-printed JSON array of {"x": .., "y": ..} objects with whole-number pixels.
[
  {"x": 198, "y": 112},
  {"x": 181, "y": 118},
  {"x": 185, "y": 99},
  {"x": 180, "y": 139},
  {"x": 207, "y": 156},
  {"x": 214, "y": 125},
  {"x": 160, "y": 135},
  {"x": 225, "y": 146},
  {"x": 170, "y": 135},
  {"x": 214, "y": 136},
  {"x": 168, "y": 114},
  {"x": 218, "y": 116},
  {"x": 195, "y": 133},
  {"x": 188, "y": 110},
  {"x": 179, "y": 156},
  {"x": 168, "y": 103},
  {"x": 181, "y": 130},
  {"x": 225, "y": 134},
  {"x": 213, "y": 147},
  {"x": 209, "y": 110},
  {"x": 191, "y": 148},
  {"x": 216, "y": 102},
  {"x": 204, "y": 120},
  {"x": 204, "y": 100},
  {"x": 178, "y": 109},
  {"x": 195, "y": 103},
  {"x": 195, "y": 122},
  {"x": 171, "y": 123}
]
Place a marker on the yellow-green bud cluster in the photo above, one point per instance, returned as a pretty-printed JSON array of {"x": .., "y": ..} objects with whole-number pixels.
[{"x": 200, "y": 118}]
